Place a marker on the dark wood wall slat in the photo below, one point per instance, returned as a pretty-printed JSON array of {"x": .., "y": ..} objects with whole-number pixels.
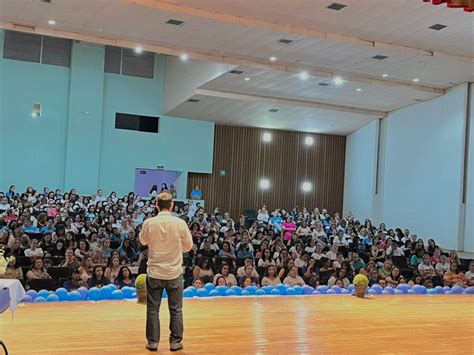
[{"x": 286, "y": 161}]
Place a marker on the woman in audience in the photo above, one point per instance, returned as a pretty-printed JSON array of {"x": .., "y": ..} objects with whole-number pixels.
[
  {"x": 37, "y": 271},
  {"x": 203, "y": 270},
  {"x": 394, "y": 278},
  {"x": 436, "y": 256},
  {"x": 229, "y": 278},
  {"x": 285, "y": 269},
  {"x": 113, "y": 270},
  {"x": 470, "y": 274},
  {"x": 124, "y": 278},
  {"x": 325, "y": 271},
  {"x": 227, "y": 252},
  {"x": 417, "y": 258},
  {"x": 270, "y": 278},
  {"x": 378, "y": 253},
  {"x": 83, "y": 251},
  {"x": 293, "y": 279},
  {"x": 340, "y": 274},
  {"x": 373, "y": 277},
  {"x": 98, "y": 279},
  {"x": 425, "y": 269},
  {"x": 75, "y": 281},
  {"x": 70, "y": 261},
  {"x": 105, "y": 249},
  {"x": 454, "y": 277},
  {"x": 16, "y": 249},
  {"x": 128, "y": 251},
  {"x": 70, "y": 243},
  {"x": 13, "y": 271},
  {"x": 453, "y": 258},
  {"x": 385, "y": 271},
  {"x": 86, "y": 269},
  {"x": 248, "y": 274},
  {"x": 266, "y": 259},
  {"x": 442, "y": 266},
  {"x": 288, "y": 229}
]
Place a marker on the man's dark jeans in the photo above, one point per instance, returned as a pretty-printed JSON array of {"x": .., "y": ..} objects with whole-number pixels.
[{"x": 174, "y": 289}]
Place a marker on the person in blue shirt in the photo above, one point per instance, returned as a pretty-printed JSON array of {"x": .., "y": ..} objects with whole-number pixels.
[
  {"x": 276, "y": 222},
  {"x": 28, "y": 227},
  {"x": 196, "y": 194},
  {"x": 48, "y": 228}
]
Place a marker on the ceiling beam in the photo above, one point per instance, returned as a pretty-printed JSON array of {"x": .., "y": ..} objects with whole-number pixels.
[
  {"x": 297, "y": 30},
  {"x": 289, "y": 102},
  {"x": 234, "y": 60}
]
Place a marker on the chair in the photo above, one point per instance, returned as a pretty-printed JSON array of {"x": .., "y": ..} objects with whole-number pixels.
[
  {"x": 42, "y": 284},
  {"x": 401, "y": 263},
  {"x": 58, "y": 272}
]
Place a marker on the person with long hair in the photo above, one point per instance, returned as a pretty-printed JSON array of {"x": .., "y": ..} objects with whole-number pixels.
[
  {"x": 394, "y": 278},
  {"x": 98, "y": 279},
  {"x": 113, "y": 270},
  {"x": 229, "y": 278},
  {"x": 124, "y": 278},
  {"x": 454, "y": 277},
  {"x": 37, "y": 271},
  {"x": 270, "y": 277},
  {"x": 13, "y": 271}
]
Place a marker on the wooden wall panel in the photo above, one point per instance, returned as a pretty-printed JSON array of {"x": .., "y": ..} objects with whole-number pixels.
[{"x": 285, "y": 161}]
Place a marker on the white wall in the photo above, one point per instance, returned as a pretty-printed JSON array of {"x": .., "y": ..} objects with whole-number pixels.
[
  {"x": 469, "y": 225},
  {"x": 420, "y": 172},
  {"x": 360, "y": 171}
]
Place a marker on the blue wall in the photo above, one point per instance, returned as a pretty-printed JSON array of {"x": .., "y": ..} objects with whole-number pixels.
[{"x": 74, "y": 142}]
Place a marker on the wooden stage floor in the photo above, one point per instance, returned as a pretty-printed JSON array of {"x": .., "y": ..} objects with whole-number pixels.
[{"x": 274, "y": 325}]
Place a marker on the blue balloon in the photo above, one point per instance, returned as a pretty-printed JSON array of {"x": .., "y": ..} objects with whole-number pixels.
[
  {"x": 74, "y": 296},
  {"x": 32, "y": 293},
  {"x": 237, "y": 289},
  {"x": 209, "y": 286},
  {"x": 372, "y": 291},
  {"x": 222, "y": 289},
  {"x": 389, "y": 289},
  {"x": 39, "y": 299},
  {"x": 439, "y": 290},
  {"x": 94, "y": 294},
  {"x": 117, "y": 295},
  {"x": 134, "y": 295},
  {"x": 316, "y": 292},
  {"x": 456, "y": 290},
  {"x": 411, "y": 292},
  {"x": 83, "y": 292},
  {"x": 385, "y": 292},
  {"x": 231, "y": 292},
  {"x": 322, "y": 289},
  {"x": 186, "y": 293},
  {"x": 290, "y": 291},
  {"x": 192, "y": 289},
  {"x": 298, "y": 290},
  {"x": 275, "y": 292},
  {"x": 448, "y": 293},
  {"x": 403, "y": 287},
  {"x": 202, "y": 292},
  {"x": 307, "y": 290},
  {"x": 419, "y": 290},
  {"x": 398, "y": 292},
  {"x": 127, "y": 292},
  {"x": 27, "y": 299},
  {"x": 43, "y": 293},
  {"x": 431, "y": 291},
  {"x": 260, "y": 292},
  {"x": 377, "y": 288},
  {"x": 245, "y": 293},
  {"x": 251, "y": 289},
  {"x": 106, "y": 293},
  {"x": 164, "y": 294},
  {"x": 446, "y": 288},
  {"x": 351, "y": 287},
  {"x": 267, "y": 289},
  {"x": 52, "y": 298},
  {"x": 345, "y": 291},
  {"x": 282, "y": 288},
  {"x": 336, "y": 289},
  {"x": 62, "y": 294},
  {"x": 330, "y": 292},
  {"x": 214, "y": 293},
  {"x": 469, "y": 290}
]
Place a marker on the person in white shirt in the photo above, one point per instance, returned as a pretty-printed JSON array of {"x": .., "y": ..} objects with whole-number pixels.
[
  {"x": 100, "y": 197},
  {"x": 293, "y": 279},
  {"x": 318, "y": 253},
  {"x": 167, "y": 237},
  {"x": 470, "y": 274},
  {"x": 332, "y": 254},
  {"x": 394, "y": 250},
  {"x": 263, "y": 216},
  {"x": 33, "y": 250},
  {"x": 442, "y": 266}
]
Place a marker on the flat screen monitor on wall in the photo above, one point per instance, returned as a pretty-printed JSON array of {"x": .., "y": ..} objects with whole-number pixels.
[{"x": 136, "y": 122}]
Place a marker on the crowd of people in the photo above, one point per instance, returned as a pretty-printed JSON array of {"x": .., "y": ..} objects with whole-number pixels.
[{"x": 96, "y": 239}]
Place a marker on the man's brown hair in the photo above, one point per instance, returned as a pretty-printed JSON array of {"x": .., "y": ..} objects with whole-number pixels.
[{"x": 164, "y": 200}]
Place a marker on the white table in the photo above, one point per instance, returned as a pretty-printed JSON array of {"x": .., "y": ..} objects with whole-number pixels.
[{"x": 16, "y": 290}]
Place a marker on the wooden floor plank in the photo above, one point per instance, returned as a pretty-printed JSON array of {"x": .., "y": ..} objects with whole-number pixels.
[{"x": 274, "y": 325}]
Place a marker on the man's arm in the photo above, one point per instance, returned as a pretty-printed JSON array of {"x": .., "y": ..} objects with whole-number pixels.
[
  {"x": 144, "y": 234},
  {"x": 186, "y": 238}
]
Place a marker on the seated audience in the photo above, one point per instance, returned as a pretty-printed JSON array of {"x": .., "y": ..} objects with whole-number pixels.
[
  {"x": 293, "y": 278},
  {"x": 98, "y": 279}
]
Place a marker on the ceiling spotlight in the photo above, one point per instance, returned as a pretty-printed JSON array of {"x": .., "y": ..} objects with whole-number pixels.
[
  {"x": 384, "y": 75},
  {"x": 51, "y": 22},
  {"x": 184, "y": 57},
  {"x": 338, "y": 80},
  {"x": 264, "y": 184},
  {"x": 273, "y": 59},
  {"x": 309, "y": 140},
  {"x": 359, "y": 89},
  {"x": 416, "y": 80},
  {"x": 138, "y": 50},
  {"x": 306, "y": 186},
  {"x": 267, "y": 136},
  {"x": 247, "y": 79},
  {"x": 304, "y": 75}
]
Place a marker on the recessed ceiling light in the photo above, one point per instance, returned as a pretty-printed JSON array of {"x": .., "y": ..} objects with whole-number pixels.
[
  {"x": 247, "y": 79},
  {"x": 303, "y": 75},
  {"x": 184, "y": 57},
  {"x": 384, "y": 75},
  {"x": 51, "y": 22},
  {"x": 358, "y": 89},
  {"x": 138, "y": 50},
  {"x": 273, "y": 59},
  {"x": 338, "y": 80},
  {"x": 379, "y": 57},
  {"x": 174, "y": 22},
  {"x": 285, "y": 41},
  {"x": 416, "y": 80},
  {"x": 437, "y": 27},
  {"x": 236, "y": 71},
  {"x": 273, "y": 110},
  {"x": 336, "y": 6}
]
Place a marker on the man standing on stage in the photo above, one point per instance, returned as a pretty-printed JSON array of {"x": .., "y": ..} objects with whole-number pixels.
[{"x": 167, "y": 237}]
